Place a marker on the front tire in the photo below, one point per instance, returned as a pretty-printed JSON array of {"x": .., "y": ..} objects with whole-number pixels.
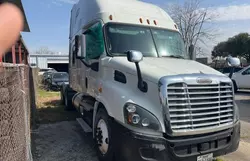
[
  {"x": 67, "y": 102},
  {"x": 103, "y": 136},
  {"x": 62, "y": 97}
]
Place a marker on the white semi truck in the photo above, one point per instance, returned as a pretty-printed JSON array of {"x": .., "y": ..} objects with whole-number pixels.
[{"x": 139, "y": 90}]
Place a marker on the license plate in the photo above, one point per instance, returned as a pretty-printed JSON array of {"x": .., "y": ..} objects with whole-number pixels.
[{"x": 207, "y": 157}]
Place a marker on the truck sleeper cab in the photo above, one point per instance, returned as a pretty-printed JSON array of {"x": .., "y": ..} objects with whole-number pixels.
[{"x": 137, "y": 87}]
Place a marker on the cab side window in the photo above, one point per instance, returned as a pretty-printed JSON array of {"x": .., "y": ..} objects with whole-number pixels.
[
  {"x": 246, "y": 72},
  {"x": 94, "y": 41}
]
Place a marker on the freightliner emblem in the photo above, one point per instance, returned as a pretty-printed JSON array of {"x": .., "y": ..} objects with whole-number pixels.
[{"x": 204, "y": 80}]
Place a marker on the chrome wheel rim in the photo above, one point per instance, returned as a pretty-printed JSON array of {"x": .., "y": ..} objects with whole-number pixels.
[{"x": 102, "y": 136}]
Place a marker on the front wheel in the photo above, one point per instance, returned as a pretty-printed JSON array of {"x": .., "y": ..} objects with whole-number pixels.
[
  {"x": 103, "y": 137},
  {"x": 62, "y": 97},
  {"x": 67, "y": 101}
]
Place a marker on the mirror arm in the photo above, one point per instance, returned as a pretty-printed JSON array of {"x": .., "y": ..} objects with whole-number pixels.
[
  {"x": 141, "y": 84},
  {"x": 231, "y": 72}
]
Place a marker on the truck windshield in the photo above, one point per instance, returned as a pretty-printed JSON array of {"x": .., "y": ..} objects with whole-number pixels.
[{"x": 150, "y": 41}]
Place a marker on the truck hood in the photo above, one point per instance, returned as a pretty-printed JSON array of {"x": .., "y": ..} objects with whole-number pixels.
[{"x": 153, "y": 69}]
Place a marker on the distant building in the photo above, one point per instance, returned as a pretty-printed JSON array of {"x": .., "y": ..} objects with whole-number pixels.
[{"x": 58, "y": 62}]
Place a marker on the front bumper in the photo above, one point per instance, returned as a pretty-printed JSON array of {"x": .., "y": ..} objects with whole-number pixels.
[{"x": 134, "y": 146}]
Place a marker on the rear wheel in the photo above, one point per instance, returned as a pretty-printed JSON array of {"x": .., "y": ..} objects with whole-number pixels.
[
  {"x": 47, "y": 87},
  {"x": 67, "y": 101},
  {"x": 62, "y": 97},
  {"x": 103, "y": 136}
]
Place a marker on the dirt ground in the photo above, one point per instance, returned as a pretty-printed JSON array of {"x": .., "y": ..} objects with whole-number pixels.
[
  {"x": 58, "y": 140},
  {"x": 58, "y": 137},
  {"x": 63, "y": 141}
]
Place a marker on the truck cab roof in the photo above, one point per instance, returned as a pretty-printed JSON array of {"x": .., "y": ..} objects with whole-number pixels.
[{"x": 119, "y": 11}]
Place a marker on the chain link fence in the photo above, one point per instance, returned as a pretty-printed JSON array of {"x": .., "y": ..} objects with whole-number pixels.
[{"x": 15, "y": 142}]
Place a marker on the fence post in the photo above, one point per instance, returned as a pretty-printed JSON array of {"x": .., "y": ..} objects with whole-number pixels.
[
  {"x": 14, "y": 54},
  {"x": 32, "y": 98},
  {"x": 20, "y": 53}
]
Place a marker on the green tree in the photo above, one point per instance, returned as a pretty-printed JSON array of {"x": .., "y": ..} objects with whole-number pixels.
[{"x": 238, "y": 46}]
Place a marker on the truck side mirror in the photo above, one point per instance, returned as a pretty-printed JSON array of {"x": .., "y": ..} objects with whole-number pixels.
[
  {"x": 82, "y": 54},
  {"x": 80, "y": 46},
  {"x": 233, "y": 62},
  {"x": 191, "y": 52},
  {"x": 134, "y": 56},
  {"x": 76, "y": 44}
]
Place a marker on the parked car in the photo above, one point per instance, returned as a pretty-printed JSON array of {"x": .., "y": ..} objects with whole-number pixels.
[
  {"x": 241, "y": 79},
  {"x": 226, "y": 70},
  {"x": 46, "y": 76},
  {"x": 43, "y": 70},
  {"x": 56, "y": 80}
]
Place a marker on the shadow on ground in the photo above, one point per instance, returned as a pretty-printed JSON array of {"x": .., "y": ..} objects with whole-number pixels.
[
  {"x": 62, "y": 141},
  {"x": 53, "y": 111},
  {"x": 50, "y": 108},
  {"x": 54, "y": 103},
  {"x": 243, "y": 93},
  {"x": 58, "y": 136}
]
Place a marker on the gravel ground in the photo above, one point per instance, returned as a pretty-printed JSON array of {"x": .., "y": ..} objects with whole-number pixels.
[
  {"x": 66, "y": 141},
  {"x": 63, "y": 141},
  {"x": 242, "y": 154}
]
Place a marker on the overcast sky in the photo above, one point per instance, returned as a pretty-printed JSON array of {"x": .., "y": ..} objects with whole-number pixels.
[{"x": 49, "y": 21}]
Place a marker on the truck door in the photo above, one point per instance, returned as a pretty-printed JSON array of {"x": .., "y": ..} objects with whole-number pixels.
[
  {"x": 94, "y": 49},
  {"x": 81, "y": 70},
  {"x": 77, "y": 68}
]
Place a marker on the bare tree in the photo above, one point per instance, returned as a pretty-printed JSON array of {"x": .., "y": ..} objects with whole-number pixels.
[
  {"x": 44, "y": 51},
  {"x": 193, "y": 22}
]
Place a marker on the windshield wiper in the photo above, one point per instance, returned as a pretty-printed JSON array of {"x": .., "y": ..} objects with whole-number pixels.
[{"x": 175, "y": 56}]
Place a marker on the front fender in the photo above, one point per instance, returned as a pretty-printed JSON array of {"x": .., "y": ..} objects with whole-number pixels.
[{"x": 115, "y": 95}]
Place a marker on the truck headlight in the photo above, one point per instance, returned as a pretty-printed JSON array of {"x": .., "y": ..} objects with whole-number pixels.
[
  {"x": 236, "y": 113},
  {"x": 139, "y": 117}
]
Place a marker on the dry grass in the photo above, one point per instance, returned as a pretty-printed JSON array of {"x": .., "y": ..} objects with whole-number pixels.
[
  {"x": 47, "y": 99},
  {"x": 50, "y": 109}
]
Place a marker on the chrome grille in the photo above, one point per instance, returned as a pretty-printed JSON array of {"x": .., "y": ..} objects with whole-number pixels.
[{"x": 197, "y": 107}]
